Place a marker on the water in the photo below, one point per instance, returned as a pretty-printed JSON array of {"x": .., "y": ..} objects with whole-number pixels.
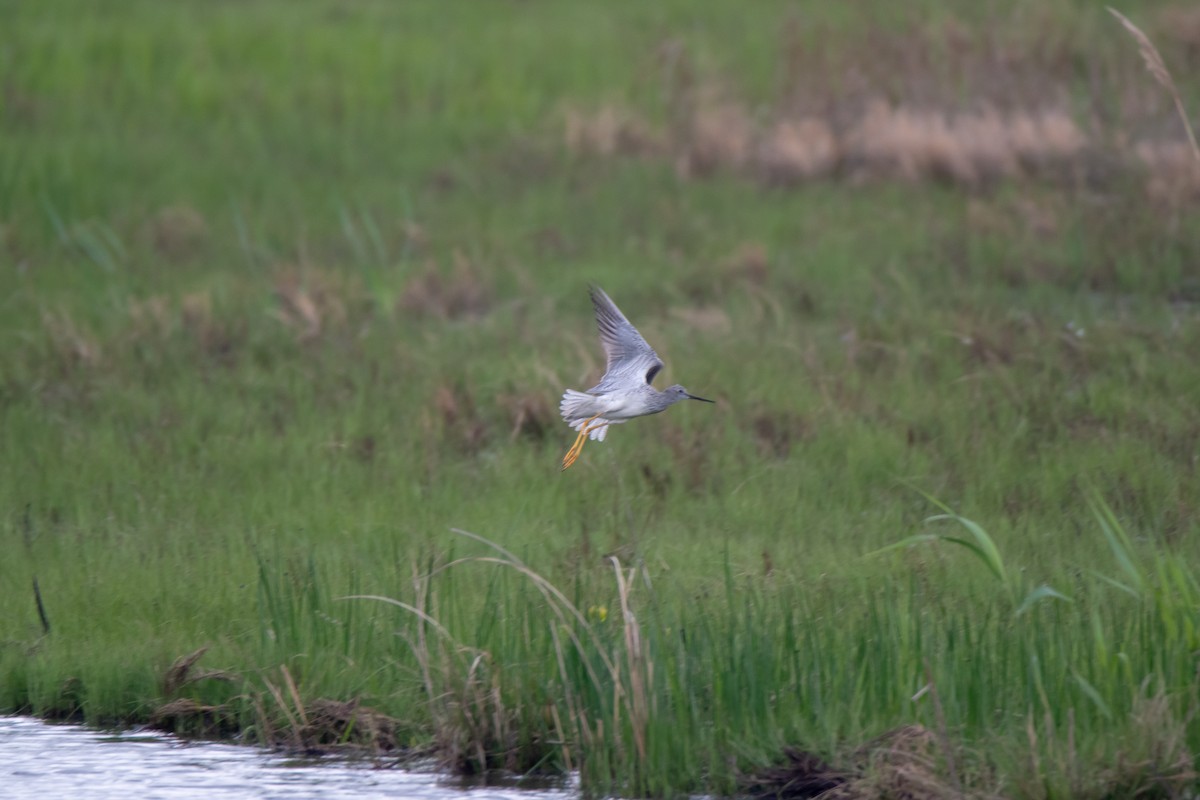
[{"x": 40, "y": 761}]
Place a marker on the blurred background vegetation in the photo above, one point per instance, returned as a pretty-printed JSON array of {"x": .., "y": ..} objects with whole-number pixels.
[{"x": 290, "y": 289}]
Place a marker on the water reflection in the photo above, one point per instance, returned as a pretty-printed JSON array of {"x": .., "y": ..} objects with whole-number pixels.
[{"x": 40, "y": 761}]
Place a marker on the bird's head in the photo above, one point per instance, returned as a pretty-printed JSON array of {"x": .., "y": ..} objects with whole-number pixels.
[{"x": 677, "y": 393}]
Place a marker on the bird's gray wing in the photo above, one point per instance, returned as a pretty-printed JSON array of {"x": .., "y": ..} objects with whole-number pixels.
[{"x": 630, "y": 359}]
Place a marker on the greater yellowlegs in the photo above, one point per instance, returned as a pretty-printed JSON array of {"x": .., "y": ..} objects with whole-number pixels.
[{"x": 625, "y": 391}]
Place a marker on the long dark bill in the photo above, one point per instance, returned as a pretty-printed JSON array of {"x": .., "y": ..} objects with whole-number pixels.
[{"x": 701, "y": 399}]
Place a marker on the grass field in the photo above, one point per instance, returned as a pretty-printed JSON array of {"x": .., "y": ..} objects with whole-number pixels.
[{"x": 290, "y": 291}]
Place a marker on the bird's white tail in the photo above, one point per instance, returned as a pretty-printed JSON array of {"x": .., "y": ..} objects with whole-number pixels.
[{"x": 576, "y": 410}]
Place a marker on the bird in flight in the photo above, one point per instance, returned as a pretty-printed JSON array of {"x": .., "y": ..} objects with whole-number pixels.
[{"x": 625, "y": 391}]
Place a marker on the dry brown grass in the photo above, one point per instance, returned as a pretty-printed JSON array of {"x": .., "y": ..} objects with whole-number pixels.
[
  {"x": 316, "y": 301},
  {"x": 610, "y": 131},
  {"x": 715, "y": 133},
  {"x": 906, "y": 763},
  {"x": 798, "y": 149},
  {"x": 339, "y": 724},
  {"x": 479, "y": 718},
  {"x": 183, "y": 672},
  {"x": 1173, "y": 169},
  {"x": 886, "y": 141},
  {"x": 986, "y": 110},
  {"x": 321, "y": 725},
  {"x": 799, "y": 774},
  {"x": 1153, "y": 761},
  {"x": 1157, "y": 761},
  {"x": 1158, "y": 68},
  {"x": 71, "y": 343},
  {"x": 187, "y": 715},
  {"x": 903, "y": 764},
  {"x": 967, "y": 148}
]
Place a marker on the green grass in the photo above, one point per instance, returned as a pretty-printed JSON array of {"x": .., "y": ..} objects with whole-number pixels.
[{"x": 288, "y": 291}]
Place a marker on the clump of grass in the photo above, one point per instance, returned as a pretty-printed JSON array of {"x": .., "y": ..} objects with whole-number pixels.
[
  {"x": 298, "y": 309},
  {"x": 190, "y": 715},
  {"x": 463, "y": 292},
  {"x": 621, "y": 694},
  {"x": 797, "y": 774},
  {"x": 182, "y": 672},
  {"x": 72, "y": 345},
  {"x": 177, "y": 232},
  {"x": 905, "y": 762},
  {"x": 314, "y": 302}
]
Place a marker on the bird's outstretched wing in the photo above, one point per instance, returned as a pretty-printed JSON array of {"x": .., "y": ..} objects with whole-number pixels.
[{"x": 630, "y": 359}]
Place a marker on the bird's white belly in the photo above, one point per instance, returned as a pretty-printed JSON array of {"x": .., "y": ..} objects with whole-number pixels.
[{"x": 622, "y": 408}]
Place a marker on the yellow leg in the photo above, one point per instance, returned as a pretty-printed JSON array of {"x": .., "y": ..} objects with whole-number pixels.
[{"x": 577, "y": 448}]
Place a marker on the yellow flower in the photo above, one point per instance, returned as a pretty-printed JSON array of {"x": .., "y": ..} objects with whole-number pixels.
[{"x": 598, "y": 613}]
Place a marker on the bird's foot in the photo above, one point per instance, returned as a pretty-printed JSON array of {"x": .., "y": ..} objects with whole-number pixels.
[{"x": 577, "y": 448}]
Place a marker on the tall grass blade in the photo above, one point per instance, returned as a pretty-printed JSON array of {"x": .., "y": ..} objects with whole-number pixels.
[
  {"x": 1120, "y": 544},
  {"x": 1116, "y": 584},
  {"x": 1092, "y": 694},
  {"x": 1039, "y": 594},
  {"x": 984, "y": 546}
]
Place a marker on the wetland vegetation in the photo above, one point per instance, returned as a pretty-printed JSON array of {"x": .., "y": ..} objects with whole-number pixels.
[{"x": 290, "y": 291}]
